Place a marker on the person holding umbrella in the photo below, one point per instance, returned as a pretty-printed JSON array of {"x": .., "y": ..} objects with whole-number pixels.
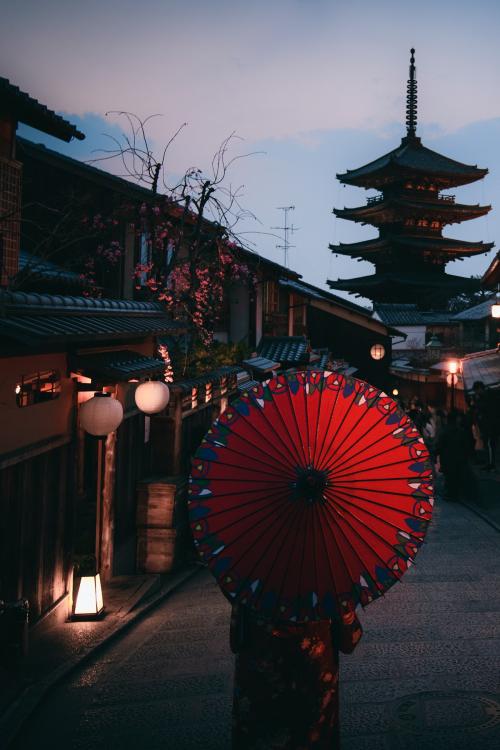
[
  {"x": 310, "y": 495},
  {"x": 286, "y": 685}
]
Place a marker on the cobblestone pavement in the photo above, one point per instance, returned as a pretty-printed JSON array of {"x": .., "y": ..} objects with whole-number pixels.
[{"x": 426, "y": 674}]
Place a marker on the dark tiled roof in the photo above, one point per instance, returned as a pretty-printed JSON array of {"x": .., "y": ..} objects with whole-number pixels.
[
  {"x": 45, "y": 318},
  {"x": 411, "y": 156},
  {"x": 28, "y": 110},
  {"x": 284, "y": 349},
  {"x": 399, "y": 314},
  {"x": 491, "y": 276},
  {"x": 388, "y": 278},
  {"x": 247, "y": 384},
  {"x": 40, "y": 153},
  {"x": 478, "y": 312},
  {"x": 261, "y": 365},
  {"x": 313, "y": 292},
  {"x": 438, "y": 317},
  {"x": 120, "y": 365},
  {"x": 484, "y": 366},
  {"x": 322, "y": 362},
  {"x": 37, "y": 273}
]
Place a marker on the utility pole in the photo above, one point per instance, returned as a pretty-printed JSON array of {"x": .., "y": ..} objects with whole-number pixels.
[{"x": 286, "y": 231}]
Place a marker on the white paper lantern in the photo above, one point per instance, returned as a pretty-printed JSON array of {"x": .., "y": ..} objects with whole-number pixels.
[
  {"x": 101, "y": 414},
  {"x": 152, "y": 397}
]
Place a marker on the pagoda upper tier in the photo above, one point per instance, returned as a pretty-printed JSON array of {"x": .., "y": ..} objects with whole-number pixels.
[
  {"x": 412, "y": 209},
  {"x": 410, "y": 213},
  {"x": 411, "y": 162},
  {"x": 433, "y": 247}
]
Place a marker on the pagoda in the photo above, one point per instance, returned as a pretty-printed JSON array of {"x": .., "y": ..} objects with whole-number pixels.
[{"x": 410, "y": 212}]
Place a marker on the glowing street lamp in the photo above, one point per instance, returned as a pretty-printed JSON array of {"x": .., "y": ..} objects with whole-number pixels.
[
  {"x": 87, "y": 597},
  {"x": 453, "y": 367}
]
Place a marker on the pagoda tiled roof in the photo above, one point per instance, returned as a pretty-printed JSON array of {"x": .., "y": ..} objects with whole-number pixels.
[
  {"x": 369, "y": 283},
  {"x": 24, "y": 108},
  {"x": 445, "y": 245},
  {"x": 397, "y": 208},
  {"x": 411, "y": 157}
]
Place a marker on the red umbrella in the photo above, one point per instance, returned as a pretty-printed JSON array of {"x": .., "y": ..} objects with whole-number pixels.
[{"x": 309, "y": 490}]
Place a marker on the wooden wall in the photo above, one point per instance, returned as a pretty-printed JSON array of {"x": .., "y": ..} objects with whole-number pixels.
[{"x": 36, "y": 533}]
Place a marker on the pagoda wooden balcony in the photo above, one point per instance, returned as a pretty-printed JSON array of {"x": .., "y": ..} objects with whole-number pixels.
[{"x": 374, "y": 199}]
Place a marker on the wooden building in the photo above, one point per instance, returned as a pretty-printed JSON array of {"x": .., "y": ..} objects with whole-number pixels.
[
  {"x": 410, "y": 212},
  {"x": 62, "y": 491}
]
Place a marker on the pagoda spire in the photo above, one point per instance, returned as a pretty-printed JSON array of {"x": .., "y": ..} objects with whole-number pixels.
[{"x": 411, "y": 99}]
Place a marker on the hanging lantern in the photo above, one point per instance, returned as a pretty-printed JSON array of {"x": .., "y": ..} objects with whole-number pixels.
[
  {"x": 88, "y": 601},
  {"x": 152, "y": 396},
  {"x": 495, "y": 310},
  {"x": 101, "y": 414},
  {"x": 377, "y": 351}
]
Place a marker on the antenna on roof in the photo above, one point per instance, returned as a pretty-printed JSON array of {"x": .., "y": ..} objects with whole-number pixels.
[
  {"x": 286, "y": 229},
  {"x": 411, "y": 99}
]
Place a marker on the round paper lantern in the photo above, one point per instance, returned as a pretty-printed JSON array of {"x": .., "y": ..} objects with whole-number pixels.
[
  {"x": 101, "y": 414},
  {"x": 152, "y": 396},
  {"x": 377, "y": 351}
]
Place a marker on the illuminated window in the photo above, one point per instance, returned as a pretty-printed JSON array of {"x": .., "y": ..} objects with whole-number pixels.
[{"x": 38, "y": 387}]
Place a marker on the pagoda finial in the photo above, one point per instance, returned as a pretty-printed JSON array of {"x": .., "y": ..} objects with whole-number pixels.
[{"x": 411, "y": 99}]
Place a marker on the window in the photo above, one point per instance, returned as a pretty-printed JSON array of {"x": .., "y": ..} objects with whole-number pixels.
[{"x": 38, "y": 387}]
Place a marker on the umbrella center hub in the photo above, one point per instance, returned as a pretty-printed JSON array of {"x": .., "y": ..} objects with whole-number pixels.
[{"x": 310, "y": 484}]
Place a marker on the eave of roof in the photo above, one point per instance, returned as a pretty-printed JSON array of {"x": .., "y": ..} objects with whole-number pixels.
[
  {"x": 477, "y": 312},
  {"x": 117, "y": 365},
  {"x": 445, "y": 209},
  {"x": 40, "y": 319},
  {"x": 284, "y": 349},
  {"x": 412, "y": 156},
  {"x": 438, "y": 244},
  {"x": 323, "y": 295},
  {"x": 24, "y": 108},
  {"x": 399, "y": 314},
  {"x": 491, "y": 277},
  {"x": 314, "y": 292},
  {"x": 483, "y": 366},
  {"x": 388, "y": 278},
  {"x": 76, "y": 167}
]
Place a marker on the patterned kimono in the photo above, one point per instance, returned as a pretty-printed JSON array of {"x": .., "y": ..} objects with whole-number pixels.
[{"x": 286, "y": 691}]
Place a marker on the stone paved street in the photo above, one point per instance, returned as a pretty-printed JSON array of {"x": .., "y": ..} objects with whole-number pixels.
[{"x": 426, "y": 674}]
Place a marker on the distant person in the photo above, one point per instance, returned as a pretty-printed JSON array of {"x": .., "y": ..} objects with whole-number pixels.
[
  {"x": 416, "y": 414},
  {"x": 286, "y": 689},
  {"x": 432, "y": 427},
  {"x": 452, "y": 449},
  {"x": 487, "y": 404}
]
